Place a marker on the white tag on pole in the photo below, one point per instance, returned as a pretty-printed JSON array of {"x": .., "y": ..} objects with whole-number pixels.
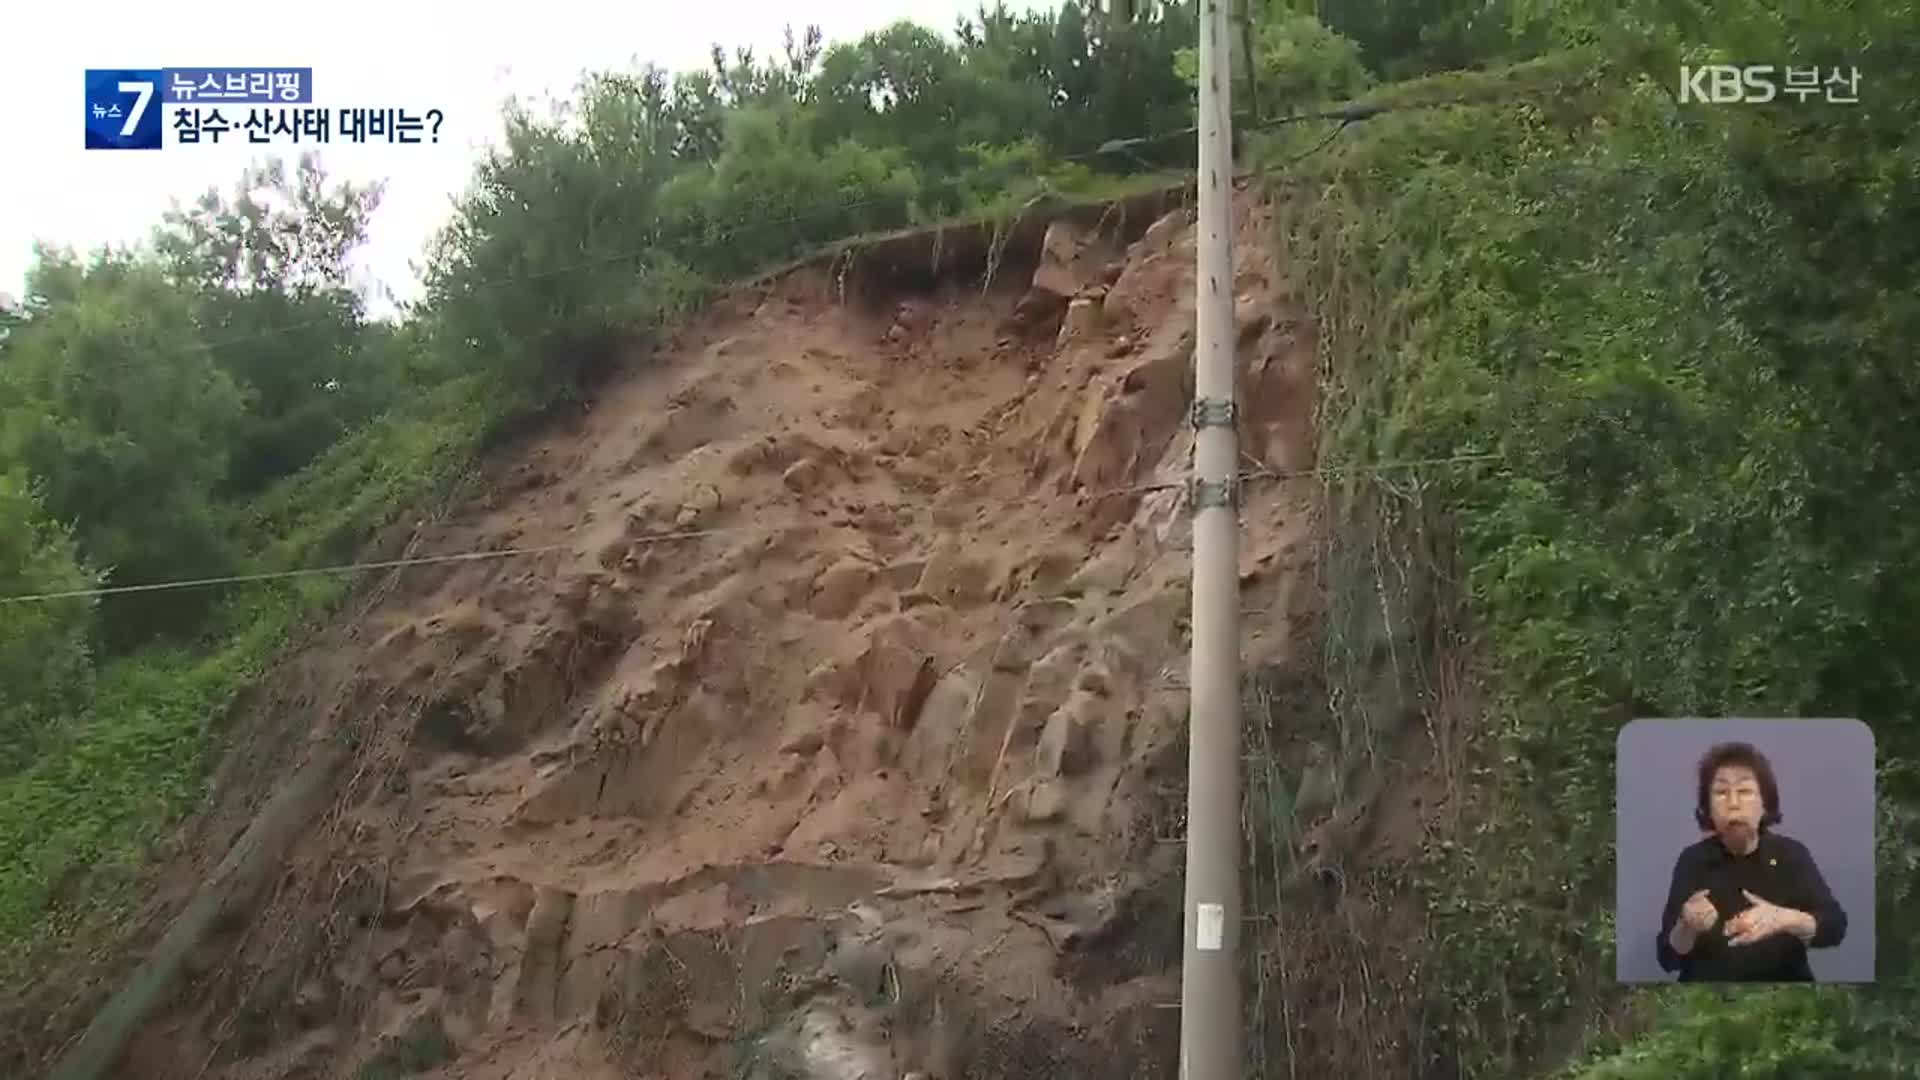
[{"x": 1209, "y": 927}]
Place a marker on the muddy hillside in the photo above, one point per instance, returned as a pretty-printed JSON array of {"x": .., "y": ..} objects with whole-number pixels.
[{"x": 829, "y": 733}]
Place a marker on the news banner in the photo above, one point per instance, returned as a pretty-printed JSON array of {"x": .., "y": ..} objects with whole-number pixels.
[{"x": 152, "y": 108}]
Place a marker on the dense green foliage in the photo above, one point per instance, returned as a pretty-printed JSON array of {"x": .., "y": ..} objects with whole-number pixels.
[
  {"x": 1401, "y": 38},
  {"x": 113, "y": 405},
  {"x": 593, "y": 225},
  {"x": 1676, "y": 331},
  {"x": 1298, "y": 62}
]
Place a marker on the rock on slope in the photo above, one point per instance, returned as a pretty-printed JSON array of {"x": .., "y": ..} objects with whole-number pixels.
[{"x": 832, "y": 736}]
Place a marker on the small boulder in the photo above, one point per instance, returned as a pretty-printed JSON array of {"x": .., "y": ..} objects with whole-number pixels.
[
  {"x": 1059, "y": 250},
  {"x": 1160, "y": 235},
  {"x": 801, "y": 477},
  {"x": 1066, "y": 743},
  {"x": 838, "y": 589},
  {"x": 803, "y": 743},
  {"x": 1082, "y": 321},
  {"x": 1046, "y": 802}
]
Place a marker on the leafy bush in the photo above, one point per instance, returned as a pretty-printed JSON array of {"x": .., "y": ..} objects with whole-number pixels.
[
  {"x": 1400, "y": 39},
  {"x": 1297, "y": 63},
  {"x": 45, "y": 659},
  {"x": 88, "y": 806},
  {"x": 1769, "y": 1034},
  {"x": 399, "y": 464},
  {"x": 549, "y": 262},
  {"x": 771, "y": 195}
]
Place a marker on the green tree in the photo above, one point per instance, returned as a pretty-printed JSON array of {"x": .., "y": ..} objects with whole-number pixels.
[
  {"x": 1298, "y": 63},
  {"x": 905, "y": 87},
  {"x": 771, "y": 194},
  {"x": 1115, "y": 78},
  {"x": 551, "y": 269},
  {"x": 1401, "y": 38},
  {"x": 110, "y": 399},
  {"x": 743, "y": 81},
  {"x": 269, "y": 267}
]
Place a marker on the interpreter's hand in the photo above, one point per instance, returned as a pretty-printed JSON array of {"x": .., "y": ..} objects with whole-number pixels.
[
  {"x": 1759, "y": 922},
  {"x": 1699, "y": 914}
]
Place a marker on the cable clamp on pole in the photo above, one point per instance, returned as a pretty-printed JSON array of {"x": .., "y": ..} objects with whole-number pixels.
[
  {"x": 1212, "y": 412},
  {"x": 1202, "y": 494}
]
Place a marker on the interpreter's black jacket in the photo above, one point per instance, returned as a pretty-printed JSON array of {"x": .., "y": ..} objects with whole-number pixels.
[{"x": 1781, "y": 871}]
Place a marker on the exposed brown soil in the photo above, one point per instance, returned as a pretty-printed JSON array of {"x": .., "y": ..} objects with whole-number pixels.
[{"x": 831, "y": 743}]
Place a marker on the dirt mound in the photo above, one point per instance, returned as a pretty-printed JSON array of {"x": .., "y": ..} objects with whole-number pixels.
[{"x": 823, "y": 746}]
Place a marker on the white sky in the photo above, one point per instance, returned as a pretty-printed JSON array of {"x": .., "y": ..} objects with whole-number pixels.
[{"x": 463, "y": 59}]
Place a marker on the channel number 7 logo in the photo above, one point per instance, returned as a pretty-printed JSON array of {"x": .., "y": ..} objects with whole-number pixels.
[{"x": 122, "y": 113}]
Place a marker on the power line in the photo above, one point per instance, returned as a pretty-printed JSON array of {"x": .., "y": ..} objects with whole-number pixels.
[
  {"x": 1309, "y": 151},
  {"x": 507, "y": 553},
  {"x": 1300, "y": 474},
  {"x": 237, "y": 579},
  {"x": 1350, "y": 113},
  {"x": 348, "y": 568}
]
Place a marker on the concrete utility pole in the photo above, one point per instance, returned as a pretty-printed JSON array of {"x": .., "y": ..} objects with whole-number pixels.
[{"x": 1210, "y": 1021}]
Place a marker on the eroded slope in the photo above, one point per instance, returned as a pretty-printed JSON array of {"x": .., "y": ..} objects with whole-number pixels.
[{"x": 833, "y": 734}]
